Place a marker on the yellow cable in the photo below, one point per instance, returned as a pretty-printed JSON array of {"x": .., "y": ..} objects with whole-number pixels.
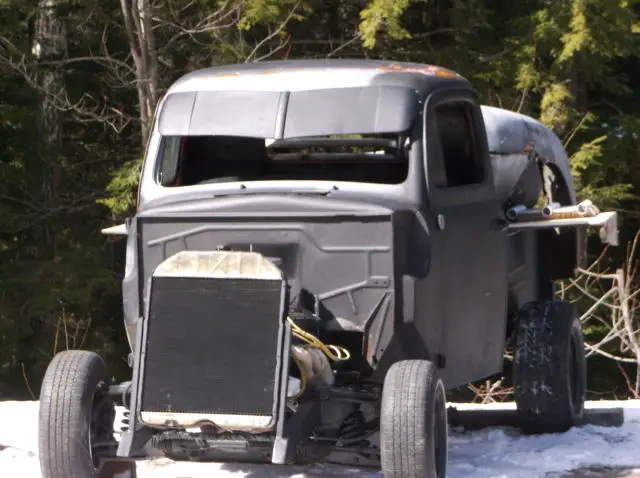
[{"x": 340, "y": 354}]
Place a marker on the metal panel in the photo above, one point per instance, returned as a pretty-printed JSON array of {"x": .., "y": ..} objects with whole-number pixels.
[
  {"x": 230, "y": 113},
  {"x": 379, "y": 109},
  {"x": 342, "y": 254},
  {"x": 514, "y": 133},
  {"x": 175, "y": 113},
  {"x": 261, "y": 114},
  {"x": 348, "y": 265}
]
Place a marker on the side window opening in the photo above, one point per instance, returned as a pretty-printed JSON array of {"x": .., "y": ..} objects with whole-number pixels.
[
  {"x": 194, "y": 160},
  {"x": 169, "y": 153},
  {"x": 461, "y": 163}
]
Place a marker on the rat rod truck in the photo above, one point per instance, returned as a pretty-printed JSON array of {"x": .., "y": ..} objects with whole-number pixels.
[{"x": 321, "y": 249}]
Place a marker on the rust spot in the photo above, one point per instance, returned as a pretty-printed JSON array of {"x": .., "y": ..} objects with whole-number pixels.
[
  {"x": 221, "y": 75},
  {"x": 425, "y": 70},
  {"x": 442, "y": 73}
]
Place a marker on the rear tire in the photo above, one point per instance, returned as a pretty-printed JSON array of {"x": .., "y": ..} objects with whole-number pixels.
[
  {"x": 76, "y": 419},
  {"x": 549, "y": 369},
  {"x": 413, "y": 422}
]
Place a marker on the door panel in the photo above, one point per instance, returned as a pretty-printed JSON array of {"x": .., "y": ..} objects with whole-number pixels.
[{"x": 469, "y": 248}]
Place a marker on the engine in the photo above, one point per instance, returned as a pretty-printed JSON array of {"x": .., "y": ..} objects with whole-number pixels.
[
  {"x": 311, "y": 359},
  {"x": 313, "y": 366}
]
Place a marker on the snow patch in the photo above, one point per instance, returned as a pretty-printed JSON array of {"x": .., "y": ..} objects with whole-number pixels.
[{"x": 489, "y": 453}]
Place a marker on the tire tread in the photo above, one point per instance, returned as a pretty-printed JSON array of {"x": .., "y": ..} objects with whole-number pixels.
[
  {"x": 65, "y": 402},
  {"x": 540, "y": 366},
  {"x": 408, "y": 394}
]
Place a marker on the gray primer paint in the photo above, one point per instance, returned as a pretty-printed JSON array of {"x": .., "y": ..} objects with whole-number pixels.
[
  {"x": 270, "y": 114},
  {"x": 507, "y": 133},
  {"x": 510, "y": 133}
]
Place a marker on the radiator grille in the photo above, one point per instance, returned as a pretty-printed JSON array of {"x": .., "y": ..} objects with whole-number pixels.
[{"x": 211, "y": 346}]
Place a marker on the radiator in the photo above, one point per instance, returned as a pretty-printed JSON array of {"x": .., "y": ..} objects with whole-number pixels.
[{"x": 212, "y": 338}]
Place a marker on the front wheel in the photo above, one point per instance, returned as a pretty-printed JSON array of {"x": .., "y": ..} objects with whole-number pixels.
[
  {"x": 413, "y": 421},
  {"x": 75, "y": 426}
]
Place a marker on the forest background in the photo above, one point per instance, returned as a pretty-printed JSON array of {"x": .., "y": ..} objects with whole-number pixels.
[{"x": 80, "y": 79}]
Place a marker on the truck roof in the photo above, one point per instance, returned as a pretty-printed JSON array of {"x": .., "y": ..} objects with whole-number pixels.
[
  {"x": 285, "y": 99},
  {"x": 301, "y": 75}
]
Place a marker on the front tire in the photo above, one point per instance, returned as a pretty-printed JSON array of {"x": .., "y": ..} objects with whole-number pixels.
[
  {"x": 413, "y": 424},
  {"x": 549, "y": 369},
  {"x": 76, "y": 418}
]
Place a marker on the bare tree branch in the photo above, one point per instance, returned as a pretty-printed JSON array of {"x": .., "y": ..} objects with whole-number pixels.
[
  {"x": 614, "y": 308},
  {"x": 86, "y": 108},
  {"x": 355, "y": 38},
  {"x": 624, "y": 323},
  {"x": 272, "y": 35}
]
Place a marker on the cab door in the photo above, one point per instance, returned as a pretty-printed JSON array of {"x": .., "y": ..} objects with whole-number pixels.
[{"x": 469, "y": 247}]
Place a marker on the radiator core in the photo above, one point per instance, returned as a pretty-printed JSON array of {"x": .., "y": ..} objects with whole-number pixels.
[{"x": 211, "y": 342}]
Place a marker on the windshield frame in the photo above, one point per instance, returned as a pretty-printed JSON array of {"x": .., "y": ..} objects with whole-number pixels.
[{"x": 410, "y": 191}]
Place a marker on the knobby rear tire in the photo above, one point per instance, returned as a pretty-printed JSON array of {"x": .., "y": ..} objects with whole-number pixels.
[{"x": 549, "y": 369}]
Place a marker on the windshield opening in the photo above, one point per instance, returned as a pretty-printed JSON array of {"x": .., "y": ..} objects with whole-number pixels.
[{"x": 191, "y": 160}]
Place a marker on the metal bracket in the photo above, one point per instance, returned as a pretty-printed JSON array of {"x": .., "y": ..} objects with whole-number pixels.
[
  {"x": 606, "y": 221},
  {"x": 296, "y": 429}
]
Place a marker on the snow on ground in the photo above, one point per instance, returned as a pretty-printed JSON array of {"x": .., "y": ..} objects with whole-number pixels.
[{"x": 489, "y": 453}]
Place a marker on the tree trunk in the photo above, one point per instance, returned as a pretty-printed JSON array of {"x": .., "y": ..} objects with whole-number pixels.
[
  {"x": 138, "y": 22},
  {"x": 50, "y": 44}
]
